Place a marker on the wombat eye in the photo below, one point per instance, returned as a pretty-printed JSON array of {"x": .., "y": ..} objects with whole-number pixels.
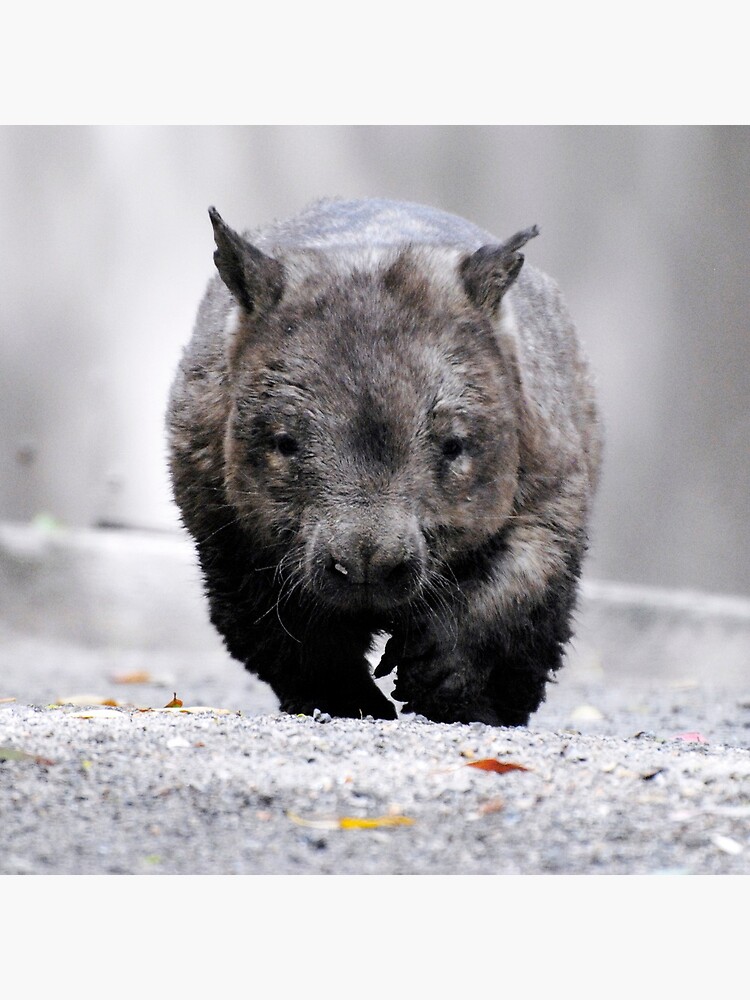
[
  {"x": 285, "y": 444},
  {"x": 452, "y": 447}
]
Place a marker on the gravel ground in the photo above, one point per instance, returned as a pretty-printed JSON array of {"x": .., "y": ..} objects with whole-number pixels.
[
  {"x": 618, "y": 780},
  {"x": 638, "y": 762}
]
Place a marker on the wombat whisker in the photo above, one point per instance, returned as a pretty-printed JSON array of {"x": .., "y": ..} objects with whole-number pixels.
[
  {"x": 223, "y": 527},
  {"x": 292, "y": 637}
]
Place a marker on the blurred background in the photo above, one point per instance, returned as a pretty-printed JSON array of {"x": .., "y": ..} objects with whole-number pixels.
[{"x": 106, "y": 247}]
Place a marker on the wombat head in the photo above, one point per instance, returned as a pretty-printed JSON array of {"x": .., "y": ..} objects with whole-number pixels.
[{"x": 372, "y": 440}]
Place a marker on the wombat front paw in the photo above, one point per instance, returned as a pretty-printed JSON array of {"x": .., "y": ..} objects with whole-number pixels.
[
  {"x": 445, "y": 687},
  {"x": 411, "y": 655}
]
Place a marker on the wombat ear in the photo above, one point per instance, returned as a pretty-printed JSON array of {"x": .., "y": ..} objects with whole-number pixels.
[
  {"x": 489, "y": 272},
  {"x": 254, "y": 279}
]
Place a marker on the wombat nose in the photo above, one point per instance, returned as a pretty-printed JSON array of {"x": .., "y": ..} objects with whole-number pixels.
[{"x": 373, "y": 568}]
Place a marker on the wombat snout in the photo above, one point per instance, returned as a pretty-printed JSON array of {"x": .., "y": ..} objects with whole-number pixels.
[{"x": 359, "y": 569}]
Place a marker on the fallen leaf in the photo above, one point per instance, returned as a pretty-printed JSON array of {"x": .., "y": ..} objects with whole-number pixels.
[
  {"x": 188, "y": 709},
  {"x": 355, "y": 823},
  {"x": 314, "y": 824},
  {"x": 6, "y": 701},
  {"x": 586, "y": 713},
  {"x": 498, "y": 766},
  {"x": 136, "y": 677},
  {"x": 727, "y": 844},
  {"x": 652, "y": 773},
  {"x": 351, "y": 822},
  {"x": 691, "y": 737},
  {"x": 11, "y": 753},
  {"x": 493, "y": 806},
  {"x": 97, "y": 713},
  {"x": 174, "y": 703},
  {"x": 178, "y": 743},
  {"x": 82, "y": 700}
]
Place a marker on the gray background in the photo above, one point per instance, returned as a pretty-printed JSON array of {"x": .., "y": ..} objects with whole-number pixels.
[{"x": 106, "y": 246}]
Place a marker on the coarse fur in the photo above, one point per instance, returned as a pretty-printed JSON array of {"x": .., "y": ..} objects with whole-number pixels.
[{"x": 384, "y": 423}]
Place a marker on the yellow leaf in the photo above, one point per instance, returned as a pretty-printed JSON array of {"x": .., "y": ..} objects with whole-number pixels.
[
  {"x": 351, "y": 822},
  {"x": 374, "y": 823},
  {"x": 174, "y": 703}
]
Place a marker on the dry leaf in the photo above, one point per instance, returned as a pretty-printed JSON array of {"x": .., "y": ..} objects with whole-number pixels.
[
  {"x": 178, "y": 743},
  {"x": 498, "y": 766},
  {"x": 492, "y": 806},
  {"x": 6, "y": 701},
  {"x": 189, "y": 709},
  {"x": 351, "y": 822},
  {"x": 82, "y": 700},
  {"x": 136, "y": 677},
  {"x": 314, "y": 824},
  {"x": 586, "y": 713},
  {"x": 11, "y": 753},
  {"x": 97, "y": 713},
  {"x": 727, "y": 844},
  {"x": 174, "y": 703},
  {"x": 354, "y": 823},
  {"x": 192, "y": 709},
  {"x": 652, "y": 773}
]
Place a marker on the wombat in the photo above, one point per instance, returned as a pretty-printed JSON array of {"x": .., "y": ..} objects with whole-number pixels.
[{"x": 383, "y": 423}]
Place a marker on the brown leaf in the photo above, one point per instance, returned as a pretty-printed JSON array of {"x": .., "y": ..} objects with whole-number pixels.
[
  {"x": 174, "y": 703},
  {"x": 136, "y": 677},
  {"x": 492, "y": 806},
  {"x": 498, "y": 766}
]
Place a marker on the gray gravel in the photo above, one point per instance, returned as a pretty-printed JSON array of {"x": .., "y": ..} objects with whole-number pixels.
[
  {"x": 609, "y": 786},
  {"x": 172, "y": 792}
]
